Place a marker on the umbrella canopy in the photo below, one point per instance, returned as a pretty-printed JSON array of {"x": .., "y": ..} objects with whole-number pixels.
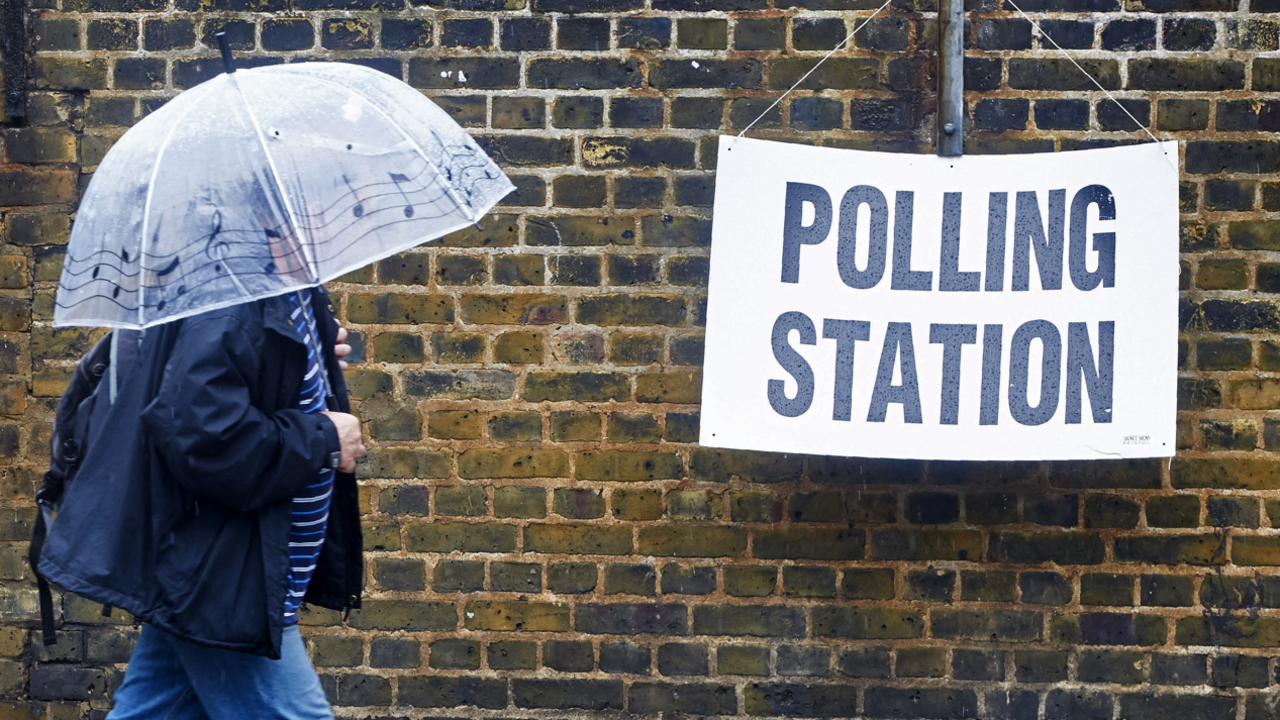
[{"x": 264, "y": 181}]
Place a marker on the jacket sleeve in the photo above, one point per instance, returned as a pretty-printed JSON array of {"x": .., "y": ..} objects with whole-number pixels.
[{"x": 213, "y": 440}]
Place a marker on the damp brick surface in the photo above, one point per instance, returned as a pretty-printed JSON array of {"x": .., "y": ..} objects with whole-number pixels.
[{"x": 545, "y": 538}]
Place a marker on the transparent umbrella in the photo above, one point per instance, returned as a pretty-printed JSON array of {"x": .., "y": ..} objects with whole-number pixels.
[{"x": 264, "y": 181}]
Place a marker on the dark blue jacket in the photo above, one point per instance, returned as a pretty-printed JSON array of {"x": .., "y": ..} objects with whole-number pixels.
[{"x": 180, "y": 510}]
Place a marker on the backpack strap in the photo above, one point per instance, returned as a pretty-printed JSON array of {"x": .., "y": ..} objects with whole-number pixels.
[{"x": 66, "y": 449}]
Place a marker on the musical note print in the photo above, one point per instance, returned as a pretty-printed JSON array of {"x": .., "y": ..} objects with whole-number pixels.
[{"x": 191, "y": 210}]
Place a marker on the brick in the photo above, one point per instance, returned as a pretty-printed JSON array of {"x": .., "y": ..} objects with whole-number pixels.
[
  {"x": 628, "y": 466},
  {"x": 399, "y": 308},
  {"x": 987, "y": 625},
  {"x": 635, "y": 112},
  {"x": 1146, "y": 706},
  {"x": 473, "y": 73},
  {"x": 867, "y": 623},
  {"x": 1061, "y": 75},
  {"x": 1200, "y": 549},
  {"x": 410, "y": 615},
  {"x": 583, "y": 74},
  {"x": 708, "y": 73},
  {"x": 578, "y": 539},
  {"x": 512, "y": 463},
  {"x": 906, "y": 544},
  {"x": 929, "y": 585},
  {"x": 694, "y": 699},
  {"x": 632, "y": 619},
  {"x": 1234, "y": 511},
  {"x": 454, "y": 425},
  {"x": 428, "y": 692},
  {"x": 702, "y": 33},
  {"x": 571, "y": 578},
  {"x": 977, "y": 665},
  {"x": 461, "y": 537},
  {"x": 692, "y": 580},
  {"x": 748, "y": 620},
  {"x": 516, "y": 616},
  {"x": 629, "y": 579},
  {"x": 624, "y": 657},
  {"x": 749, "y": 581},
  {"x": 921, "y": 663},
  {"x": 692, "y": 541},
  {"x": 835, "y": 74},
  {"x": 512, "y": 655},
  {"x": 1106, "y": 589},
  {"x": 1255, "y": 550},
  {"x": 31, "y": 187},
  {"x": 683, "y": 659},
  {"x": 1061, "y": 548},
  {"x": 73, "y": 74},
  {"x": 1233, "y": 473},
  {"x": 817, "y": 544},
  {"x": 400, "y": 574},
  {"x": 1110, "y": 511},
  {"x": 721, "y": 465},
  {"x": 458, "y": 576},
  {"x": 395, "y": 653},
  {"x": 637, "y": 504},
  {"x": 568, "y": 656},
  {"x": 691, "y": 504},
  {"x": 893, "y": 702},
  {"x": 1227, "y": 156}
]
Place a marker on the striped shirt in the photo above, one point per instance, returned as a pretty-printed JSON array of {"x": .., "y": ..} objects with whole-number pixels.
[{"x": 311, "y": 508}]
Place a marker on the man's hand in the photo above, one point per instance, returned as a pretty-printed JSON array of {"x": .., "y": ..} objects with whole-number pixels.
[
  {"x": 349, "y": 436},
  {"x": 341, "y": 348}
]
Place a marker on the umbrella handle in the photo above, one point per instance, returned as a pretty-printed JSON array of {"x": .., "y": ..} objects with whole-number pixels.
[{"x": 228, "y": 64}]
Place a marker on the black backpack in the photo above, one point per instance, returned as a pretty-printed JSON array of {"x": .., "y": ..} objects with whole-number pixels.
[{"x": 66, "y": 449}]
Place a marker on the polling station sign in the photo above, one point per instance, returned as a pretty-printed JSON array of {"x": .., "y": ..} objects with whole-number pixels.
[{"x": 1013, "y": 307}]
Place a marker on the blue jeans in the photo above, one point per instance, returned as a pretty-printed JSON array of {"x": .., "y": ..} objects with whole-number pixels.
[{"x": 172, "y": 679}]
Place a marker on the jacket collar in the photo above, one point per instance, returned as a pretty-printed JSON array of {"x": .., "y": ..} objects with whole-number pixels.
[{"x": 276, "y": 316}]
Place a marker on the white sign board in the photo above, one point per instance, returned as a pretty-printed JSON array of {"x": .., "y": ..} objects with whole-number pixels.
[{"x": 1015, "y": 307}]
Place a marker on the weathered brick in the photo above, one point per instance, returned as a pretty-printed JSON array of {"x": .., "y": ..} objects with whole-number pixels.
[
  {"x": 748, "y": 620},
  {"x": 933, "y": 703},
  {"x": 867, "y": 623},
  {"x": 1198, "y": 549},
  {"x": 632, "y": 619},
  {"x": 988, "y": 625},
  {"x": 813, "y": 543},
  {"x": 568, "y": 694},
  {"x": 578, "y": 539},
  {"x": 444, "y": 537},
  {"x": 419, "y": 615},
  {"x": 430, "y": 692},
  {"x": 692, "y": 541},
  {"x": 516, "y": 616},
  {"x": 628, "y": 466},
  {"x": 908, "y": 544},
  {"x": 1226, "y": 473}
]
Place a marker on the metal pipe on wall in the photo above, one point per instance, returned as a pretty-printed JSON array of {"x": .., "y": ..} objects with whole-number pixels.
[
  {"x": 13, "y": 44},
  {"x": 950, "y": 126}
]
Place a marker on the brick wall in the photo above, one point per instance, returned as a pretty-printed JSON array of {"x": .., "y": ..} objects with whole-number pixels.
[{"x": 545, "y": 538}]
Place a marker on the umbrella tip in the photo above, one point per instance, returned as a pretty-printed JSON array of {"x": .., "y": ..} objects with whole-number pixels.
[{"x": 228, "y": 64}]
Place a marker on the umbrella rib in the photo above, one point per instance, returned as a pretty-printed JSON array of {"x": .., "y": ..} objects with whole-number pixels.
[
  {"x": 447, "y": 185},
  {"x": 146, "y": 208},
  {"x": 275, "y": 174}
]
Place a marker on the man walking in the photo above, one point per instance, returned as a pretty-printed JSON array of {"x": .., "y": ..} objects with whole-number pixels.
[{"x": 217, "y": 496}]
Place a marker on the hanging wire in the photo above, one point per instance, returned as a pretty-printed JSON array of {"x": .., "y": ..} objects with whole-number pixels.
[
  {"x": 1021, "y": 12},
  {"x": 1092, "y": 79},
  {"x": 804, "y": 77}
]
